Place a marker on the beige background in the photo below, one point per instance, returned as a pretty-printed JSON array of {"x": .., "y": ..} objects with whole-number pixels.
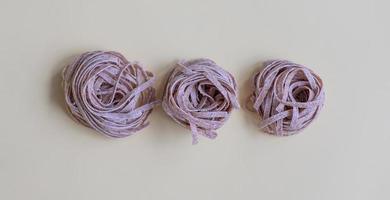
[{"x": 342, "y": 155}]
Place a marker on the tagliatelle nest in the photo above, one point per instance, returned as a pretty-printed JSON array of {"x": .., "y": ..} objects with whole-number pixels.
[
  {"x": 200, "y": 96},
  {"x": 106, "y": 92},
  {"x": 287, "y": 97}
]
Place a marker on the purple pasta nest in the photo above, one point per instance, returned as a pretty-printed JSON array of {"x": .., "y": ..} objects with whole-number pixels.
[
  {"x": 106, "y": 92},
  {"x": 287, "y": 97},
  {"x": 200, "y": 95}
]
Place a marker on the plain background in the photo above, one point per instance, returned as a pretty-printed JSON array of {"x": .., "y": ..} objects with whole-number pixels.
[{"x": 344, "y": 154}]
